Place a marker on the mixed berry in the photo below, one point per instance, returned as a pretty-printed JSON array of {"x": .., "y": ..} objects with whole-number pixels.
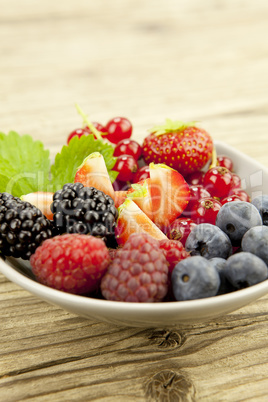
[
  {"x": 174, "y": 225},
  {"x": 84, "y": 210},
  {"x": 23, "y": 227}
]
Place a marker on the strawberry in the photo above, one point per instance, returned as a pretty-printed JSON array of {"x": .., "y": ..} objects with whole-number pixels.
[
  {"x": 140, "y": 194},
  {"x": 93, "y": 173},
  {"x": 119, "y": 197},
  {"x": 182, "y": 146},
  {"x": 169, "y": 194},
  {"x": 163, "y": 196},
  {"x": 132, "y": 219}
]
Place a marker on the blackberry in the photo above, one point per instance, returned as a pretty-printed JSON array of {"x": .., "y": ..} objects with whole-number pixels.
[
  {"x": 23, "y": 227},
  {"x": 84, "y": 210}
]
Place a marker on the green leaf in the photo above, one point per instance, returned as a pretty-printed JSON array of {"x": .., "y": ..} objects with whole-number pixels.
[
  {"x": 72, "y": 155},
  {"x": 171, "y": 126},
  {"x": 113, "y": 175},
  {"x": 24, "y": 164}
]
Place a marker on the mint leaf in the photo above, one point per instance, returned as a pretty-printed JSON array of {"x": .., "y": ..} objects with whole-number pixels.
[
  {"x": 24, "y": 164},
  {"x": 72, "y": 155}
]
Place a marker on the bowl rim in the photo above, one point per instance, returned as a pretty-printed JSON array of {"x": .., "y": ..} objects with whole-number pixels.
[{"x": 58, "y": 295}]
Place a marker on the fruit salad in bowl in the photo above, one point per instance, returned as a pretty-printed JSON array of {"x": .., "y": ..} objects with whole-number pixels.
[{"x": 169, "y": 231}]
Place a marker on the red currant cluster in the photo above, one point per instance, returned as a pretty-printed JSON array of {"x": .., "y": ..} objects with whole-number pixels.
[
  {"x": 208, "y": 192},
  {"x": 127, "y": 151},
  {"x": 115, "y": 130}
]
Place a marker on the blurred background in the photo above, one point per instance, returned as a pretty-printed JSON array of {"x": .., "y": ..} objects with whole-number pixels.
[{"x": 145, "y": 60}]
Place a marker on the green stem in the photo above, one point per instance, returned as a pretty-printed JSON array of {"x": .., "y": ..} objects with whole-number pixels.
[{"x": 88, "y": 122}]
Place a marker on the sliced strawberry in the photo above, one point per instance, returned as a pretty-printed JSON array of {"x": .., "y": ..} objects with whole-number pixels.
[
  {"x": 93, "y": 173},
  {"x": 41, "y": 200},
  {"x": 119, "y": 197},
  {"x": 182, "y": 146},
  {"x": 140, "y": 194},
  {"x": 169, "y": 194},
  {"x": 132, "y": 219}
]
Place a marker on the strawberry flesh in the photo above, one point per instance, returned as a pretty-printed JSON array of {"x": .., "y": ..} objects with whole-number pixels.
[
  {"x": 169, "y": 194},
  {"x": 132, "y": 219},
  {"x": 93, "y": 173}
]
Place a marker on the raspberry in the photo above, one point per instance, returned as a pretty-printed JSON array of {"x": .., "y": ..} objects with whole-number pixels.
[
  {"x": 112, "y": 253},
  {"x": 73, "y": 263},
  {"x": 173, "y": 251},
  {"x": 138, "y": 273}
]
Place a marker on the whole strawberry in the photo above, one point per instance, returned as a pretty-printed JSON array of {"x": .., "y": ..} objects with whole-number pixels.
[
  {"x": 182, "y": 146},
  {"x": 138, "y": 273},
  {"x": 73, "y": 263}
]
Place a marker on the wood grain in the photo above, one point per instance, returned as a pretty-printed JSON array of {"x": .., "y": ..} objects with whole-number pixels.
[{"x": 204, "y": 61}]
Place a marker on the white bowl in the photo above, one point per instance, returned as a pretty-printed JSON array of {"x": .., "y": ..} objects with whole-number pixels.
[{"x": 255, "y": 181}]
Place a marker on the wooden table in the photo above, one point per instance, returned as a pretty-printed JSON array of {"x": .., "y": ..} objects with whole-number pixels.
[{"x": 146, "y": 60}]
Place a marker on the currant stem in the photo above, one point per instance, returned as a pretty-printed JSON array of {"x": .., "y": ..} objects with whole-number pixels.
[
  {"x": 213, "y": 159},
  {"x": 88, "y": 122}
]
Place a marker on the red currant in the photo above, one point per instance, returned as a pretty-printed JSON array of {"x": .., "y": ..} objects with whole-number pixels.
[
  {"x": 180, "y": 229},
  {"x": 196, "y": 193},
  {"x": 236, "y": 250},
  {"x": 230, "y": 198},
  {"x": 77, "y": 133},
  {"x": 206, "y": 210},
  {"x": 98, "y": 126},
  {"x": 121, "y": 185},
  {"x": 218, "y": 181},
  {"x": 240, "y": 193},
  {"x": 118, "y": 129},
  {"x": 85, "y": 131},
  {"x": 128, "y": 147},
  {"x": 236, "y": 181},
  {"x": 142, "y": 174},
  {"x": 195, "y": 178},
  {"x": 126, "y": 166},
  {"x": 225, "y": 161}
]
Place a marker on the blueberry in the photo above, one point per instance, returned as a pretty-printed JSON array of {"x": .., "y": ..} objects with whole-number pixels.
[
  {"x": 261, "y": 203},
  {"x": 245, "y": 269},
  {"x": 219, "y": 265},
  {"x": 255, "y": 241},
  {"x": 194, "y": 278},
  {"x": 236, "y": 218},
  {"x": 208, "y": 241}
]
